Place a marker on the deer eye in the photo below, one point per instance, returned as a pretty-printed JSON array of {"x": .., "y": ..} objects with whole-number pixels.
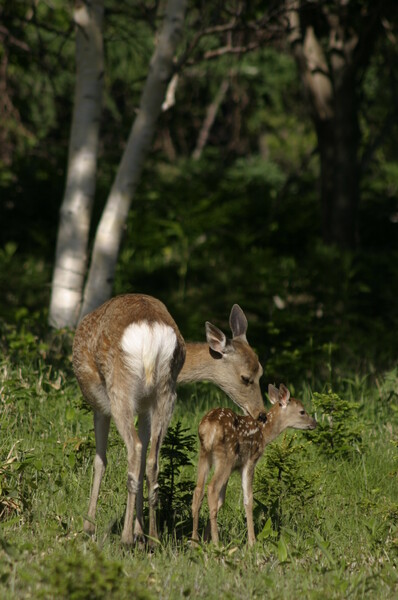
[
  {"x": 302, "y": 412},
  {"x": 245, "y": 380}
]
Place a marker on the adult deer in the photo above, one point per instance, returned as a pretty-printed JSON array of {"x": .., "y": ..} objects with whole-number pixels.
[
  {"x": 230, "y": 441},
  {"x": 127, "y": 356}
]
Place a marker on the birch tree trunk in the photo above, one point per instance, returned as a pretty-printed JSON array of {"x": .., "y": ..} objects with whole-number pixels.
[
  {"x": 110, "y": 229},
  {"x": 208, "y": 123},
  {"x": 75, "y": 215}
]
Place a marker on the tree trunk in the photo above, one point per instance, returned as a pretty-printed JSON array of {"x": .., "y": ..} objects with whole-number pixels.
[
  {"x": 329, "y": 71},
  {"x": 338, "y": 141},
  {"x": 75, "y": 215},
  {"x": 208, "y": 123},
  {"x": 110, "y": 230}
]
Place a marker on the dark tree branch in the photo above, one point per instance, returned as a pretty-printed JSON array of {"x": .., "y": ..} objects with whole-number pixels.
[{"x": 6, "y": 36}]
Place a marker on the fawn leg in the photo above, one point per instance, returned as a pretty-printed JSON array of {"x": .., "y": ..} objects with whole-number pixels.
[
  {"x": 216, "y": 495},
  {"x": 198, "y": 495},
  {"x": 247, "y": 485},
  {"x": 221, "y": 500}
]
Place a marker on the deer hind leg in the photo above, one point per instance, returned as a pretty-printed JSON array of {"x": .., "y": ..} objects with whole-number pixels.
[
  {"x": 160, "y": 419},
  {"x": 204, "y": 465},
  {"x": 221, "y": 500},
  {"x": 247, "y": 485},
  {"x": 216, "y": 495},
  {"x": 123, "y": 415},
  {"x": 144, "y": 430},
  {"x": 101, "y": 430}
]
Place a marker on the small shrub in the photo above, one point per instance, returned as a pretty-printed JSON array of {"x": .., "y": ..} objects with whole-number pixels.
[
  {"x": 175, "y": 492},
  {"x": 82, "y": 577},
  {"x": 282, "y": 483},
  {"x": 339, "y": 431}
]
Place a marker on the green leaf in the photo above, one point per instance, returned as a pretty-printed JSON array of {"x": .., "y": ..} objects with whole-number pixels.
[
  {"x": 266, "y": 531},
  {"x": 282, "y": 550},
  {"x": 70, "y": 413}
]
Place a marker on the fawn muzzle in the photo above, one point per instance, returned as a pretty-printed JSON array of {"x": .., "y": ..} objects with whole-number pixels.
[{"x": 262, "y": 417}]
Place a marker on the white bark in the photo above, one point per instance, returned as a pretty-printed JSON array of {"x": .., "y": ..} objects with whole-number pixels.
[
  {"x": 208, "y": 123},
  {"x": 170, "y": 98},
  {"x": 311, "y": 61},
  {"x": 110, "y": 229},
  {"x": 75, "y": 215}
]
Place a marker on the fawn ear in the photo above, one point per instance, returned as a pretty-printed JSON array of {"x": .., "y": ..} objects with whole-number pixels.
[
  {"x": 273, "y": 394},
  {"x": 216, "y": 339},
  {"x": 238, "y": 322},
  {"x": 284, "y": 395}
]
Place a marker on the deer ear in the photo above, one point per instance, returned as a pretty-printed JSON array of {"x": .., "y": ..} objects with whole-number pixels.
[
  {"x": 273, "y": 394},
  {"x": 238, "y": 322},
  {"x": 215, "y": 338},
  {"x": 284, "y": 395}
]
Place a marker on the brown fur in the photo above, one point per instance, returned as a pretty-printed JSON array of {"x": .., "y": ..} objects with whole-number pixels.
[
  {"x": 113, "y": 386},
  {"x": 229, "y": 442}
]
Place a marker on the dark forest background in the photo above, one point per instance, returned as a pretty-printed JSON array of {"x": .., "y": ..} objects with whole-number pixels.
[{"x": 240, "y": 221}]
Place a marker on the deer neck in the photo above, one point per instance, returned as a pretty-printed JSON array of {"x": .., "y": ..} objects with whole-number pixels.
[
  {"x": 199, "y": 364},
  {"x": 274, "y": 424}
]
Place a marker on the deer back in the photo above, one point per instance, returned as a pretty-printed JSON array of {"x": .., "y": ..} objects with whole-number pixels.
[
  {"x": 224, "y": 435},
  {"x": 130, "y": 334}
]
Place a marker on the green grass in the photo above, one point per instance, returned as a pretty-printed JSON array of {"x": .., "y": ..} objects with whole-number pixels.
[{"x": 326, "y": 520}]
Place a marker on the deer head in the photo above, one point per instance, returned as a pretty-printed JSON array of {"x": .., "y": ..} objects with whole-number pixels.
[
  {"x": 291, "y": 412},
  {"x": 237, "y": 370}
]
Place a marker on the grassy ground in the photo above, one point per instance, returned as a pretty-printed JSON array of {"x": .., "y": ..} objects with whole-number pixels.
[{"x": 326, "y": 510}]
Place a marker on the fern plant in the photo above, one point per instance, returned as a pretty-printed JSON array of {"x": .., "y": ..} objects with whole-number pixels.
[{"x": 175, "y": 489}]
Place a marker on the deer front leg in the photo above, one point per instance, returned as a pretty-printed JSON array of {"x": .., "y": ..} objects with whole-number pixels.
[
  {"x": 101, "y": 429},
  {"x": 247, "y": 485}
]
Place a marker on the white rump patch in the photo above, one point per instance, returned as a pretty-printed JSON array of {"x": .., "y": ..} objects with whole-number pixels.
[{"x": 148, "y": 350}]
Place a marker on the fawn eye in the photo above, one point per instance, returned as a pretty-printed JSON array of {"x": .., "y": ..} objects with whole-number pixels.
[
  {"x": 245, "y": 380},
  {"x": 302, "y": 412}
]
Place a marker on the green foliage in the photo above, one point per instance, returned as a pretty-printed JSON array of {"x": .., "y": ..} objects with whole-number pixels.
[
  {"x": 175, "y": 491},
  {"x": 239, "y": 225},
  {"x": 81, "y": 576},
  {"x": 340, "y": 430},
  {"x": 24, "y": 281},
  {"x": 283, "y": 485},
  {"x": 16, "y": 482},
  {"x": 324, "y": 527}
]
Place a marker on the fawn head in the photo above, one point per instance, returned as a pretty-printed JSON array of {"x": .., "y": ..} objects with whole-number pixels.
[
  {"x": 238, "y": 368},
  {"x": 291, "y": 410}
]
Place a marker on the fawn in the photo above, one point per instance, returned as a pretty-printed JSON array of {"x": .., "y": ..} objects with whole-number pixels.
[
  {"x": 229, "y": 441},
  {"x": 127, "y": 356}
]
